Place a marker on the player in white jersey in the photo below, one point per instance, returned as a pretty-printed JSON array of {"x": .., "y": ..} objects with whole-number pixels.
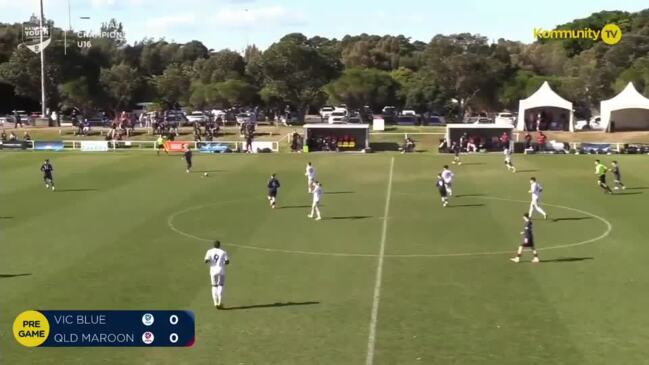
[
  {"x": 317, "y": 195},
  {"x": 218, "y": 259},
  {"x": 508, "y": 159},
  {"x": 536, "y": 189},
  {"x": 310, "y": 175},
  {"x": 447, "y": 176}
]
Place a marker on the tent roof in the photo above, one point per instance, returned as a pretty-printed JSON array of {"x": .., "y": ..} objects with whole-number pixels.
[
  {"x": 628, "y": 98},
  {"x": 545, "y": 96}
]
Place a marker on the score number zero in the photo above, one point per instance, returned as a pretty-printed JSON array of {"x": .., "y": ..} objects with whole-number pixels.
[{"x": 173, "y": 319}]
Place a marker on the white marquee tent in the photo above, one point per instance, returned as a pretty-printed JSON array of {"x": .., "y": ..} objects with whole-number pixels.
[
  {"x": 629, "y": 109},
  {"x": 544, "y": 97}
]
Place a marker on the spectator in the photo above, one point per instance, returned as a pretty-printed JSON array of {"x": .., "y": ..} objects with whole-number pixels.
[
  {"x": 528, "y": 141},
  {"x": 541, "y": 141},
  {"x": 295, "y": 142},
  {"x": 504, "y": 140},
  {"x": 17, "y": 120},
  {"x": 443, "y": 145},
  {"x": 3, "y": 135},
  {"x": 408, "y": 145},
  {"x": 12, "y": 136},
  {"x": 471, "y": 145},
  {"x": 54, "y": 117},
  {"x": 26, "y": 136}
]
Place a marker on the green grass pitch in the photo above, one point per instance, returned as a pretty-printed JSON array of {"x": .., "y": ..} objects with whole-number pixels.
[{"x": 129, "y": 231}]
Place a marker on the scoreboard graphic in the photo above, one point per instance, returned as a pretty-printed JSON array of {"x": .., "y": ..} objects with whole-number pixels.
[{"x": 44, "y": 328}]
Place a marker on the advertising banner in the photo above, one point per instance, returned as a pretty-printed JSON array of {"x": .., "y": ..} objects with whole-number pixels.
[
  {"x": 94, "y": 146},
  {"x": 214, "y": 148},
  {"x": 48, "y": 145},
  {"x": 177, "y": 146},
  {"x": 14, "y": 145}
]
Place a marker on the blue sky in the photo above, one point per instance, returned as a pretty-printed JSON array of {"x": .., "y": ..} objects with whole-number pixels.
[{"x": 235, "y": 23}]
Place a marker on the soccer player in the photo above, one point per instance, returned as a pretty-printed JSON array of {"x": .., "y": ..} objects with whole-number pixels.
[
  {"x": 317, "y": 195},
  {"x": 508, "y": 159},
  {"x": 160, "y": 144},
  {"x": 456, "y": 148},
  {"x": 188, "y": 157},
  {"x": 441, "y": 186},
  {"x": 448, "y": 175},
  {"x": 600, "y": 171},
  {"x": 218, "y": 259},
  {"x": 310, "y": 174},
  {"x": 536, "y": 189},
  {"x": 615, "y": 167},
  {"x": 47, "y": 170},
  {"x": 528, "y": 241},
  {"x": 273, "y": 186}
]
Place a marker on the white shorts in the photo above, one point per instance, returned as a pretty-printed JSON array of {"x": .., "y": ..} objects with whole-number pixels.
[
  {"x": 218, "y": 279},
  {"x": 535, "y": 200},
  {"x": 316, "y": 203}
]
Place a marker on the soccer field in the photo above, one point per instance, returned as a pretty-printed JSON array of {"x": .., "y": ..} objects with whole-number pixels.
[{"x": 387, "y": 277}]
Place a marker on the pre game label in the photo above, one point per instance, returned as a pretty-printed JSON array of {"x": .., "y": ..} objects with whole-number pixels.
[{"x": 105, "y": 328}]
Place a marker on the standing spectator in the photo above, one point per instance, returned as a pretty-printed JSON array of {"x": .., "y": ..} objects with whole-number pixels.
[
  {"x": 249, "y": 138},
  {"x": 528, "y": 141},
  {"x": 541, "y": 141},
  {"x": 504, "y": 140},
  {"x": 17, "y": 119}
]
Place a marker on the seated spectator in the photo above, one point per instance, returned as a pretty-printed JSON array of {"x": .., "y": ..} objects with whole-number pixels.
[
  {"x": 471, "y": 145},
  {"x": 408, "y": 145},
  {"x": 86, "y": 127},
  {"x": 443, "y": 146},
  {"x": 3, "y": 136},
  {"x": 12, "y": 136},
  {"x": 27, "y": 137}
]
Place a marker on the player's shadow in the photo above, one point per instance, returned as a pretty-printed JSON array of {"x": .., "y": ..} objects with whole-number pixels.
[
  {"x": 75, "y": 190},
  {"x": 351, "y": 217},
  {"x": 639, "y": 188},
  {"x": 629, "y": 193},
  {"x": 465, "y": 205},
  {"x": 204, "y": 171},
  {"x": 467, "y": 195},
  {"x": 270, "y": 305},
  {"x": 568, "y": 259},
  {"x": 7, "y": 276},
  {"x": 338, "y": 192},
  {"x": 6, "y": 217},
  {"x": 296, "y": 206},
  {"x": 571, "y": 219},
  {"x": 473, "y": 163},
  {"x": 527, "y": 170}
]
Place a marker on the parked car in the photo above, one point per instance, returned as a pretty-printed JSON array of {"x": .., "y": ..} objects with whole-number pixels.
[
  {"x": 197, "y": 116},
  {"x": 177, "y": 117},
  {"x": 595, "y": 123},
  {"x": 408, "y": 112},
  {"x": 337, "y": 117},
  {"x": 325, "y": 112},
  {"x": 244, "y": 118},
  {"x": 505, "y": 118}
]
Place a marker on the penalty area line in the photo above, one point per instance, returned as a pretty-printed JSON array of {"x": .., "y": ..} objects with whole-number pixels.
[{"x": 371, "y": 339}]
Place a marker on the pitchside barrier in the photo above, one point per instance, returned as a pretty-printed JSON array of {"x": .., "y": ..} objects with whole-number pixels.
[{"x": 171, "y": 146}]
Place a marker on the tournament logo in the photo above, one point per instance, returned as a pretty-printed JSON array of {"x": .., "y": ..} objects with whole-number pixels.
[
  {"x": 148, "y": 319},
  {"x": 147, "y": 337},
  {"x": 32, "y": 36}
]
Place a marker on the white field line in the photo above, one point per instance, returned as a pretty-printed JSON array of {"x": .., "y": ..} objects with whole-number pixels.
[{"x": 371, "y": 340}]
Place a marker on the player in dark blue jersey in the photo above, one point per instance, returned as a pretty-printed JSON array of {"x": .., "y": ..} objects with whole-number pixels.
[
  {"x": 47, "y": 170},
  {"x": 456, "y": 147},
  {"x": 528, "y": 241},
  {"x": 188, "y": 157},
  {"x": 615, "y": 168},
  {"x": 273, "y": 186},
  {"x": 441, "y": 187}
]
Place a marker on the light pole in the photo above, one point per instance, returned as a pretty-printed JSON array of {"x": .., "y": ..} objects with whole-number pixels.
[{"x": 42, "y": 64}]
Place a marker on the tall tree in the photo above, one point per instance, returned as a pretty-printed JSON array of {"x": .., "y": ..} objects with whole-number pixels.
[{"x": 120, "y": 83}]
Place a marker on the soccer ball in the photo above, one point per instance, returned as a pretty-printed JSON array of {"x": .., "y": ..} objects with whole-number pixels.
[{"x": 205, "y": 174}]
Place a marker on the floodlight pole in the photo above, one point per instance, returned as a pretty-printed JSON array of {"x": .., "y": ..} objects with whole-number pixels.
[{"x": 42, "y": 64}]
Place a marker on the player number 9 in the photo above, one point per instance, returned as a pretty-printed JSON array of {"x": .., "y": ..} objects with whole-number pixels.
[{"x": 173, "y": 319}]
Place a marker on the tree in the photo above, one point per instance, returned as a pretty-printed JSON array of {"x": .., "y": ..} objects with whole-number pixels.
[
  {"x": 220, "y": 66},
  {"x": 174, "y": 84},
  {"x": 120, "y": 83},
  {"x": 296, "y": 71},
  {"x": 638, "y": 73},
  {"x": 360, "y": 87},
  {"x": 76, "y": 94}
]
